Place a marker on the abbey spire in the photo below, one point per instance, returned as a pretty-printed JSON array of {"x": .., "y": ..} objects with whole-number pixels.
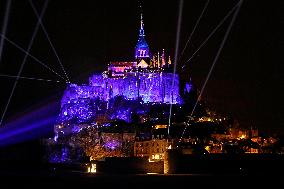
[
  {"x": 142, "y": 48},
  {"x": 141, "y": 31}
]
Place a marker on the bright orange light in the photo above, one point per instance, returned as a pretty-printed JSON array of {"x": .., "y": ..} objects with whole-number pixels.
[
  {"x": 160, "y": 126},
  {"x": 207, "y": 148},
  {"x": 93, "y": 168},
  {"x": 242, "y": 136}
]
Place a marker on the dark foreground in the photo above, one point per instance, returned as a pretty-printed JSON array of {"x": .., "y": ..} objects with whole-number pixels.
[
  {"x": 22, "y": 168},
  {"x": 29, "y": 174},
  {"x": 43, "y": 179}
]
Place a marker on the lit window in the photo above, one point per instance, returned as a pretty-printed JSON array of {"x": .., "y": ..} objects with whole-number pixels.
[{"x": 92, "y": 168}]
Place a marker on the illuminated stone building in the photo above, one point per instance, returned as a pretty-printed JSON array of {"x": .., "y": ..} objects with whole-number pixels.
[
  {"x": 153, "y": 149},
  {"x": 147, "y": 79},
  {"x": 118, "y": 69},
  {"x": 125, "y": 90}
]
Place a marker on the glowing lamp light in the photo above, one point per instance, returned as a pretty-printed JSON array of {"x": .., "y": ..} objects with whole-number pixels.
[
  {"x": 207, "y": 148},
  {"x": 92, "y": 168},
  {"x": 242, "y": 136}
]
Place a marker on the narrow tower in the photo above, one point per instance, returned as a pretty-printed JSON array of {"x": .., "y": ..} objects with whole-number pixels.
[{"x": 142, "y": 48}]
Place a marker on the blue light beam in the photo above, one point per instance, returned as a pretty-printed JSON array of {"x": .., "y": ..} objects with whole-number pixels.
[{"x": 36, "y": 123}]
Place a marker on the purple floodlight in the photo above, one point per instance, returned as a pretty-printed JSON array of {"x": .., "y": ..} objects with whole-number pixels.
[{"x": 113, "y": 144}]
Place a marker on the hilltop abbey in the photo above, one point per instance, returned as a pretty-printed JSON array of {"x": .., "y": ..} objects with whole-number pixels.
[
  {"x": 148, "y": 79},
  {"x": 128, "y": 102},
  {"x": 138, "y": 109}
]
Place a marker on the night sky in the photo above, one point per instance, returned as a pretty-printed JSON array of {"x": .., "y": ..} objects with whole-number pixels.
[{"x": 246, "y": 83}]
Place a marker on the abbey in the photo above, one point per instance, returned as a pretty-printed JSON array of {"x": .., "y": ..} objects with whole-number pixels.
[{"x": 148, "y": 79}]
